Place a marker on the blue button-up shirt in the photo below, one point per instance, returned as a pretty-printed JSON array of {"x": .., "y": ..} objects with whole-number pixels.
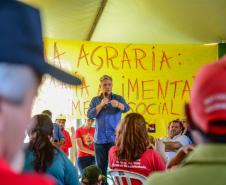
[
  {"x": 107, "y": 119},
  {"x": 57, "y": 134}
]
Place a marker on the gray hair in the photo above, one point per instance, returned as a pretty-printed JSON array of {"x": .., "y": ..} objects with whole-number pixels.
[
  {"x": 105, "y": 77},
  {"x": 15, "y": 81}
]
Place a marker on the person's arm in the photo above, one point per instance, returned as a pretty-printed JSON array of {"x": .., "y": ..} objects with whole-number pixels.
[
  {"x": 58, "y": 138},
  {"x": 94, "y": 108},
  {"x": 120, "y": 104},
  {"x": 182, "y": 153},
  {"x": 61, "y": 137},
  {"x": 172, "y": 146},
  {"x": 160, "y": 147},
  {"x": 82, "y": 148},
  {"x": 68, "y": 140},
  {"x": 103, "y": 102},
  {"x": 70, "y": 172}
]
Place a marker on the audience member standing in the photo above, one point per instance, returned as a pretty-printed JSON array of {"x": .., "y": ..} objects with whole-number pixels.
[{"x": 85, "y": 144}]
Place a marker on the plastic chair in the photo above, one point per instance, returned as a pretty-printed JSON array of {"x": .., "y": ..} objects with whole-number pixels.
[{"x": 121, "y": 177}]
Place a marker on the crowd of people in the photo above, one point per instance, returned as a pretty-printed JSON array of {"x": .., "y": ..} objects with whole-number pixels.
[{"x": 194, "y": 154}]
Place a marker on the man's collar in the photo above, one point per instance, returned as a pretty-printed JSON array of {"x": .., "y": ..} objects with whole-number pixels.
[
  {"x": 176, "y": 136},
  {"x": 102, "y": 95}
]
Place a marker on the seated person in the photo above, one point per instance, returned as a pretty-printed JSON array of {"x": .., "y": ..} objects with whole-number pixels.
[
  {"x": 175, "y": 140},
  {"x": 131, "y": 152},
  {"x": 187, "y": 129},
  {"x": 92, "y": 176},
  {"x": 43, "y": 157}
]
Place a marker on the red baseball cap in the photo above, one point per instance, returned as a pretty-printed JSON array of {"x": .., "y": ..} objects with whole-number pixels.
[{"x": 208, "y": 98}]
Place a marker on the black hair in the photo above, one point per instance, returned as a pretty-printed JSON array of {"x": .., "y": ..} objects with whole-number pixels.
[
  {"x": 91, "y": 175},
  {"x": 47, "y": 112},
  {"x": 213, "y": 138},
  {"x": 177, "y": 121},
  {"x": 40, "y": 144}
]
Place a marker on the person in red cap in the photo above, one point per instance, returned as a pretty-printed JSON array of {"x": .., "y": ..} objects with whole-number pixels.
[
  {"x": 206, "y": 113},
  {"x": 22, "y": 65}
]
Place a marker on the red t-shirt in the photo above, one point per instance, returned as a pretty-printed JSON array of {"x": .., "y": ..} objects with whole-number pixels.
[
  {"x": 65, "y": 147},
  {"x": 87, "y": 137},
  {"x": 9, "y": 177},
  {"x": 149, "y": 162}
]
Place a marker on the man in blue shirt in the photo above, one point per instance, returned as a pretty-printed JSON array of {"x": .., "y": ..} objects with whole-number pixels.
[
  {"x": 106, "y": 109},
  {"x": 58, "y": 137}
]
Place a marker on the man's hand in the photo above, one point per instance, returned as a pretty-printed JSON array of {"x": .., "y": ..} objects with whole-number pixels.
[
  {"x": 58, "y": 143},
  {"x": 103, "y": 102},
  {"x": 117, "y": 104},
  {"x": 114, "y": 103},
  {"x": 160, "y": 147},
  {"x": 182, "y": 153}
]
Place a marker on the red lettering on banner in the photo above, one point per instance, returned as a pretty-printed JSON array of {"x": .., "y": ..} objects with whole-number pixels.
[
  {"x": 109, "y": 59},
  {"x": 171, "y": 109},
  {"x": 146, "y": 90},
  {"x": 100, "y": 65},
  {"x": 186, "y": 89},
  {"x": 149, "y": 109},
  {"x": 160, "y": 89},
  {"x": 165, "y": 60},
  {"x": 123, "y": 90},
  {"x": 84, "y": 87},
  {"x": 56, "y": 61},
  {"x": 153, "y": 60},
  {"x": 82, "y": 54},
  {"x": 76, "y": 108},
  {"x": 138, "y": 58},
  {"x": 112, "y": 56},
  {"x": 57, "y": 55},
  {"x": 175, "y": 86},
  {"x": 143, "y": 108},
  {"x": 85, "y": 107},
  {"x": 134, "y": 88},
  {"x": 165, "y": 108},
  {"x": 80, "y": 107},
  {"x": 125, "y": 58},
  {"x": 131, "y": 104}
]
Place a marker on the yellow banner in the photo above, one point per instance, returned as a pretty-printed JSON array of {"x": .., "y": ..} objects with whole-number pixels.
[{"x": 154, "y": 79}]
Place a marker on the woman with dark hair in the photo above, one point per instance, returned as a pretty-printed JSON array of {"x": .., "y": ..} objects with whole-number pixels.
[
  {"x": 43, "y": 157},
  {"x": 131, "y": 152}
]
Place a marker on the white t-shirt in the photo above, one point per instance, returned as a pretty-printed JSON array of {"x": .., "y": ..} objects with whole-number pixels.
[{"x": 182, "y": 139}]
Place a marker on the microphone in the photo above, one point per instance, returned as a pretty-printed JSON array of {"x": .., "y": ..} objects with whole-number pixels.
[{"x": 105, "y": 94}]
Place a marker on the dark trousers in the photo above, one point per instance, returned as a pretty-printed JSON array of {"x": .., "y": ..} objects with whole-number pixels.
[
  {"x": 101, "y": 154},
  {"x": 84, "y": 162}
]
